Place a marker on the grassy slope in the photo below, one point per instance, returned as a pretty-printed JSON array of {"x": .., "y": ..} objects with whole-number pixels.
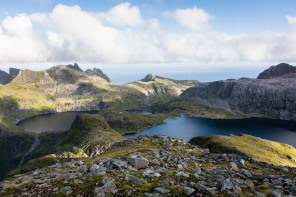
[
  {"x": 193, "y": 108},
  {"x": 259, "y": 149},
  {"x": 90, "y": 134},
  {"x": 32, "y": 93}
]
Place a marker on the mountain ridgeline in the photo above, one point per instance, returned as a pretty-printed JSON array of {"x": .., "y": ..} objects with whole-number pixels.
[
  {"x": 69, "y": 88},
  {"x": 92, "y": 158},
  {"x": 271, "y": 95}
]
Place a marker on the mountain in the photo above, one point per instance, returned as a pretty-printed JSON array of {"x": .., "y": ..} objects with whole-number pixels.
[
  {"x": 68, "y": 88},
  {"x": 6, "y": 78},
  {"x": 148, "y": 78},
  {"x": 280, "y": 70},
  {"x": 270, "y": 98},
  {"x": 99, "y": 73}
]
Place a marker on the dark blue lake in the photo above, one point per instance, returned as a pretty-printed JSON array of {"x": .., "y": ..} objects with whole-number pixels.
[
  {"x": 187, "y": 127},
  {"x": 184, "y": 127}
]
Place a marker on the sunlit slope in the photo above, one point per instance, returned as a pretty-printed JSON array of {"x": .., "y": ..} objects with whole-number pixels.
[
  {"x": 68, "y": 88},
  {"x": 259, "y": 149}
]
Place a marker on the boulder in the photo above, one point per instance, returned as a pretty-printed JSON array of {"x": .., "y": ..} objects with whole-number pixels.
[
  {"x": 108, "y": 189},
  {"x": 138, "y": 162},
  {"x": 151, "y": 174}
]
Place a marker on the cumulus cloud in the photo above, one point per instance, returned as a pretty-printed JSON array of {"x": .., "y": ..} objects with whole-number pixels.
[
  {"x": 122, "y": 14},
  {"x": 195, "y": 18},
  {"x": 70, "y": 34},
  {"x": 291, "y": 19}
]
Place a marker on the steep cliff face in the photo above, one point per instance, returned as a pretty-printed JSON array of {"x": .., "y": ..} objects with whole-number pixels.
[
  {"x": 4, "y": 77},
  {"x": 272, "y": 98},
  {"x": 12, "y": 147},
  {"x": 280, "y": 70}
]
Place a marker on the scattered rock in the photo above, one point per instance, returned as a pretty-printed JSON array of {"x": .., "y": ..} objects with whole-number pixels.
[
  {"x": 233, "y": 166},
  {"x": 108, "y": 189},
  {"x": 188, "y": 191},
  {"x": 138, "y": 162},
  {"x": 151, "y": 174},
  {"x": 135, "y": 180}
]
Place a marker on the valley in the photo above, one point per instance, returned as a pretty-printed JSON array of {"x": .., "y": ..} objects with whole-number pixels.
[{"x": 87, "y": 137}]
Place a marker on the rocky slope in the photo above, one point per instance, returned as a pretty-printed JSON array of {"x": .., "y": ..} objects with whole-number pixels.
[
  {"x": 271, "y": 98},
  {"x": 155, "y": 166},
  {"x": 280, "y": 70},
  {"x": 259, "y": 149},
  {"x": 88, "y": 137}
]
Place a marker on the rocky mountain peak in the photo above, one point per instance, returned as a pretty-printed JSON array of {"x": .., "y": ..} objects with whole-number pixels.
[
  {"x": 75, "y": 67},
  {"x": 148, "y": 78},
  {"x": 280, "y": 70},
  {"x": 99, "y": 73},
  {"x": 14, "y": 72},
  {"x": 6, "y": 78}
]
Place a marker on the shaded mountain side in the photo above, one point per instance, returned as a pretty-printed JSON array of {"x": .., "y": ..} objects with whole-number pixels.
[
  {"x": 6, "y": 78},
  {"x": 270, "y": 98},
  {"x": 12, "y": 147},
  {"x": 280, "y": 70},
  {"x": 88, "y": 137}
]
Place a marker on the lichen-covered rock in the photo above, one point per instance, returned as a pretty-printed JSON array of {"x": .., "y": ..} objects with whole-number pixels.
[
  {"x": 138, "y": 162},
  {"x": 108, "y": 189}
]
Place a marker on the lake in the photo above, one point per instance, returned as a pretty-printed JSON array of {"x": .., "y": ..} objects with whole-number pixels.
[
  {"x": 187, "y": 127},
  {"x": 51, "y": 122},
  {"x": 184, "y": 127}
]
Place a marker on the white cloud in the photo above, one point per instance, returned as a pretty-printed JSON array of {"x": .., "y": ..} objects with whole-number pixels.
[
  {"x": 20, "y": 42},
  {"x": 291, "y": 19},
  {"x": 122, "y": 14},
  {"x": 70, "y": 34},
  {"x": 195, "y": 18}
]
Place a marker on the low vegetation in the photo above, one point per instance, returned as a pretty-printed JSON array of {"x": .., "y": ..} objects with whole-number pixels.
[{"x": 259, "y": 149}]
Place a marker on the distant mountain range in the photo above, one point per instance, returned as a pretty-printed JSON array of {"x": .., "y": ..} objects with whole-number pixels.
[
  {"x": 69, "y": 88},
  {"x": 271, "y": 95}
]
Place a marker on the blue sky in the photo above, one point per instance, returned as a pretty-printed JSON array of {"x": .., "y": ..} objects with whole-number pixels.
[
  {"x": 196, "y": 33},
  {"x": 253, "y": 15}
]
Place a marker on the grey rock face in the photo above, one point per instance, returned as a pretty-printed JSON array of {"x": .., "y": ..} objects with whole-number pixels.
[
  {"x": 272, "y": 98},
  {"x": 148, "y": 78},
  {"x": 99, "y": 73},
  {"x": 14, "y": 72},
  {"x": 280, "y": 70},
  {"x": 4, "y": 77},
  {"x": 138, "y": 162}
]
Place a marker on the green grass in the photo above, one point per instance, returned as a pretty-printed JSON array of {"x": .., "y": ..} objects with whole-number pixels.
[{"x": 259, "y": 149}]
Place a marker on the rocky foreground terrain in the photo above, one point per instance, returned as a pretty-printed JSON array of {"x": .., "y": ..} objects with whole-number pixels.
[{"x": 155, "y": 166}]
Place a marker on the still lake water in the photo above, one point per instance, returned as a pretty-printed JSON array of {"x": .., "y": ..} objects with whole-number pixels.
[
  {"x": 51, "y": 122},
  {"x": 184, "y": 127}
]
